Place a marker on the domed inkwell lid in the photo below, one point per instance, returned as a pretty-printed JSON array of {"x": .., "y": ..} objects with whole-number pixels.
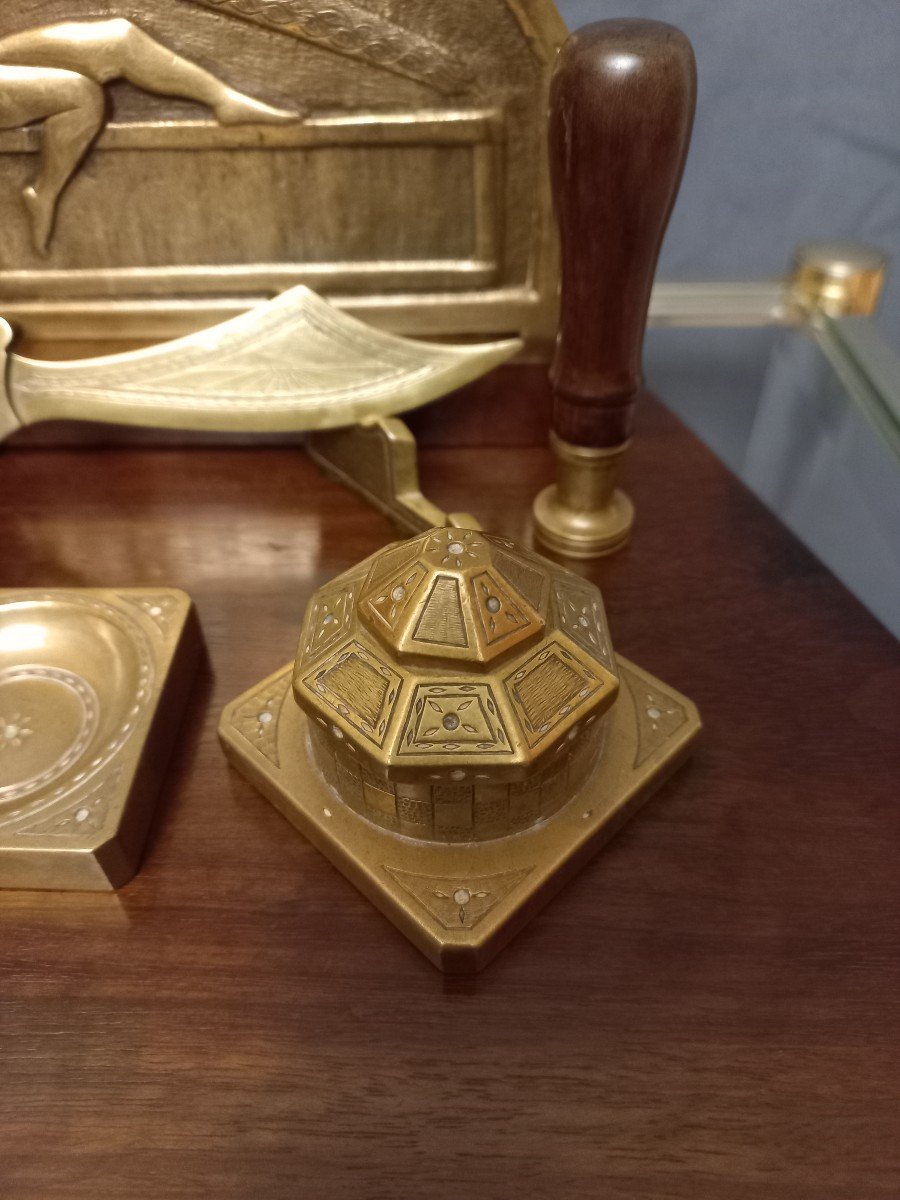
[{"x": 455, "y": 658}]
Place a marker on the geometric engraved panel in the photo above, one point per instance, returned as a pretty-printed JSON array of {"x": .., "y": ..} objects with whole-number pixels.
[
  {"x": 500, "y": 615},
  {"x": 442, "y": 621},
  {"x": 658, "y": 715},
  {"x": 528, "y": 581},
  {"x": 257, "y": 719},
  {"x": 86, "y": 815},
  {"x": 581, "y": 616},
  {"x": 392, "y": 600},
  {"x": 453, "y": 718},
  {"x": 388, "y": 562},
  {"x": 547, "y": 689},
  {"x": 328, "y": 620},
  {"x": 160, "y": 608},
  {"x": 359, "y": 687}
]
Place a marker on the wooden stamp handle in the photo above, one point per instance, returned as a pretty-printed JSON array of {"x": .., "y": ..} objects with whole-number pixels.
[{"x": 621, "y": 109}]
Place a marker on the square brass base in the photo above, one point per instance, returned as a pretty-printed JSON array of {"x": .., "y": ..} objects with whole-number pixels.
[
  {"x": 92, "y": 686},
  {"x": 461, "y": 904}
]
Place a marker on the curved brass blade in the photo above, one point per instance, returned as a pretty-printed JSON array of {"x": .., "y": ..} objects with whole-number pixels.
[{"x": 294, "y": 363}]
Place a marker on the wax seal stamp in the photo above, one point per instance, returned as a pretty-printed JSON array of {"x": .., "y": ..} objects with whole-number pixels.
[
  {"x": 621, "y": 109},
  {"x": 457, "y": 735}
]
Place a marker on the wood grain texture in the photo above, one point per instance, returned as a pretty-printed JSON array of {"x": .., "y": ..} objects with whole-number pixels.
[
  {"x": 709, "y": 1010},
  {"x": 621, "y": 109}
]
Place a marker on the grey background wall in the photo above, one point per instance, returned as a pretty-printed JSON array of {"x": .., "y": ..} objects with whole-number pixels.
[
  {"x": 797, "y": 133},
  {"x": 796, "y": 137}
]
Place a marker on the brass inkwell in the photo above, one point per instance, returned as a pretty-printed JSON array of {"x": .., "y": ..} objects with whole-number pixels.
[
  {"x": 456, "y": 733},
  {"x": 457, "y": 736}
]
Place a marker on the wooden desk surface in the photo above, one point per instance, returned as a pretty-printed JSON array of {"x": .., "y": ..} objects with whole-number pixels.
[{"x": 709, "y": 1011}]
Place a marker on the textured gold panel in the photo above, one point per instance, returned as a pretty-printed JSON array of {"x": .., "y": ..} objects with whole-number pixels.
[
  {"x": 551, "y": 690},
  {"x": 441, "y": 622},
  {"x": 359, "y": 687}
]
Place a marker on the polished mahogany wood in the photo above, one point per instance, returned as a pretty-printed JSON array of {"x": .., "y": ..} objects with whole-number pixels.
[
  {"x": 621, "y": 109},
  {"x": 710, "y": 1010}
]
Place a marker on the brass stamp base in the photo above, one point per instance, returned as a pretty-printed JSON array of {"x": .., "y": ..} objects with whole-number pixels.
[
  {"x": 92, "y": 687},
  {"x": 461, "y": 904},
  {"x": 579, "y": 534},
  {"x": 584, "y": 515}
]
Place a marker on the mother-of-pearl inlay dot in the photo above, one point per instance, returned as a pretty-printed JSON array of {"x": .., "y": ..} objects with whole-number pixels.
[{"x": 14, "y": 730}]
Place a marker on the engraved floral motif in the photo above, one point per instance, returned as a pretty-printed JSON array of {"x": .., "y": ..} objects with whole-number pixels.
[
  {"x": 13, "y": 733},
  {"x": 453, "y": 718},
  {"x": 581, "y": 616},
  {"x": 327, "y": 620},
  {"x": 461, "y": 896},
  {"x": 499, "y": 613},
  {"x": 86, "y": 814},
  {"x": 453, "y": 901},
  {"x": 658, "y": 717},
  {"x": 394, "y": 597},
  {"x": 160, "y": 609},
  {"x": 257, "y": 718},
  {"x": 14, "y": 730},
  {"x": 451, "y": 547}
]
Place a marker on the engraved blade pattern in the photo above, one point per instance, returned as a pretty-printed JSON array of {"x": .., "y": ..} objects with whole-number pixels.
[{"x": 292, "y": 363}]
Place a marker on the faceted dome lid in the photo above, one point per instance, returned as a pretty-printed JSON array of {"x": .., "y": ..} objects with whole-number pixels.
[
  {"x": 454, "y": 595},
  {"x": 455, "y": 655}
]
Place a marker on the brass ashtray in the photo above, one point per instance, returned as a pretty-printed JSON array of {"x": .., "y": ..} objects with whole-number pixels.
[
  {"x": 92, "y": 685},
  {"x": 457, "y": 736}
]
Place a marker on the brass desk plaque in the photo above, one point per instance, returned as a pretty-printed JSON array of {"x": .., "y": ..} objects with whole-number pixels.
[
  {"x": 457, "y": 736},
  {"x": 164, "y": 158},
  {"x": 92, "y": 687}
]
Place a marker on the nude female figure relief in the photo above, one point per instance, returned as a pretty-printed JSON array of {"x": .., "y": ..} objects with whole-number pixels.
[{"x": 56, "y": 74}]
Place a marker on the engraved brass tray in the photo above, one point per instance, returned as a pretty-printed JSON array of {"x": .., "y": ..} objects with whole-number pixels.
[{"x": 92, "y": 685}]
